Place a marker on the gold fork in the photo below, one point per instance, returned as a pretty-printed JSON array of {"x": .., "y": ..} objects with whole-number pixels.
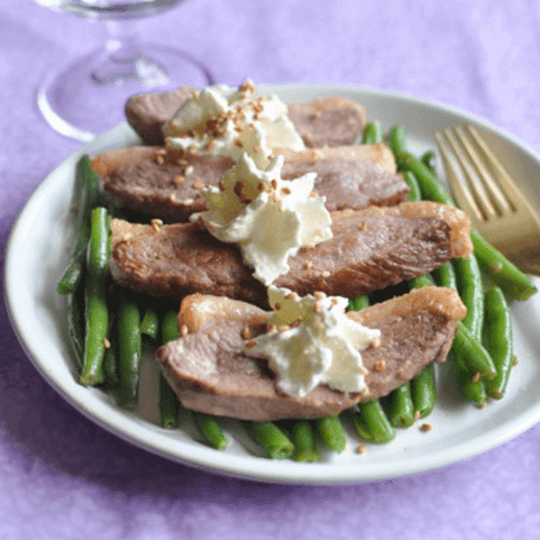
[{"x": 481, "y": 186}]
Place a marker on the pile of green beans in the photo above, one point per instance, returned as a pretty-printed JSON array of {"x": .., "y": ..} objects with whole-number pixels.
[{"x": 107, "y": 342}]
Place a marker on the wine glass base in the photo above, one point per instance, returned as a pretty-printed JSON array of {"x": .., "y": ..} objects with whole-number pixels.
[{"x": 88, "y": 97}]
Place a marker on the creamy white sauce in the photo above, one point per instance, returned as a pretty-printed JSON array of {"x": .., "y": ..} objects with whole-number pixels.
[
  {"x": 221, "y": 120},
  {"x": 312, "y": 341}
]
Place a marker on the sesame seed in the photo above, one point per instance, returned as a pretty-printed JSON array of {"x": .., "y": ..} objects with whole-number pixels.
[
  {"x": 284, "y": 328},
  {"x": 379, "y": 365},
  {"x": 239, "y": 143},
  {"x": 417, "y": 415},
  {"x": 361, "y": 449},
  {"x": 273, "y": 183},
  {"x": 189, "y": 170},
  {"x": 261, "y": 186},
  {"x": 426, "y": 427},
  {"x": 317, "y": 308},
  {"x": 198, "y": 184},
  {"x": 285, "y": 191},
  {"x": 246, "y": 332},
  {"x": 159, "y": 159},
  {"x": 308, "y": 264},
  {"x": 476, "y": 377},
  {"x": 325, "y": 274},
  {"x": 271, "y": 328},
  {"x": 156, "y": 224},
  {"x": 277, "y": 306},
  {"x": 290, "y": 296},
  {"x": 106, "y": 343},
  {"x": 178, "y": 179},
  {"x": 184, "y": 330},
  {"x": 251, "y": 344}
]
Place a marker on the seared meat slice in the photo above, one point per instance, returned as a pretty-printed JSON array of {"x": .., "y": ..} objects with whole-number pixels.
[
  {"x": 148, "y": 113},
  {"x": 371, "y": 249},
  {"x": 320, "y": 122},
  {"x": 211, "y": 373},
  {"x": 165, "y": 182},
  {"x": 162, "y": 182},
  {"x": 331, "y": 121}
]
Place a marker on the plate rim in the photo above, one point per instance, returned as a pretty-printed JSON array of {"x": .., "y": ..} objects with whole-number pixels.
[{"x": 280, "y": 472}]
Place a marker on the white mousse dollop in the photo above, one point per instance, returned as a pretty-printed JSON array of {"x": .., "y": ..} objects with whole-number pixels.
[
  {"x": 222, "y": 120},
  {"x": 268, "y": 217},
  {"x": 312, "y": 341}
]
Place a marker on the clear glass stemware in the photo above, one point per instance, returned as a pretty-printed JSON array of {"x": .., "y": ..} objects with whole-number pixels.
[{"x": 87, "y": 96}]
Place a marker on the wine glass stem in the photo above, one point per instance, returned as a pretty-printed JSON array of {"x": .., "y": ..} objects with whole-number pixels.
[{"x": 123, "y": 60}]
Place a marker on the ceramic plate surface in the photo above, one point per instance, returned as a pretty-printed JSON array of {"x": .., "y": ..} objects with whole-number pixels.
[{"x": 39, "y": 248}]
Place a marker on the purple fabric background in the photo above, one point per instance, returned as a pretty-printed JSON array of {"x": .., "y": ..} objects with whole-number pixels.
[{"x": 61, "y": 476}]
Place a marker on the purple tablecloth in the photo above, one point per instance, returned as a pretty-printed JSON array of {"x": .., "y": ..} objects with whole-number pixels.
[{"x": 63, "y": 477}]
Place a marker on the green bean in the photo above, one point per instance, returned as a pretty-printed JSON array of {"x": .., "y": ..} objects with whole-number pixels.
[
  {"x": 445, "y": 275},
  {"x": 86, "y": 197},
  {"x": 274, "y": 442},
  {"x": 209, "y": 428},
  {"x": 73, "y": 314},
  {"x": 169, "y": 326},
  {"x": 305, "y": 447},
  {"x": 372, "y": 133},
  {"x": 129, "y": 350},
  {"x": 358, "y": 302},
  {"x": 332, "y": 433},
  {"x": 372, "y": 424},
  {"x": 397, "y": 139},
  {"x": 423, "y": 392},
  {"x": 169, "y": 405},
  {"x": 504, "y": 273},
  {"x": 427, "y": 158},
  {"x": 401, "y": 413},
  {"x": 478, "y": 359},
  {"x": 424, "y": 280},
  {"x": 471, "y": 291},
  {"x": 150, "y": 324},
  {"x": 473, "y": 388},
  {"x": 414, "y": 187},
  {"x": 97, "y": 314},
  {"x": 499, "y": 342}
]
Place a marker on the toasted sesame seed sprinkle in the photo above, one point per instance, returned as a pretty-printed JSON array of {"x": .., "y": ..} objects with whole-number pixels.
[
  {"x": 106, "y": 343},
  {"x": 198, "y": 184},
  {"x": 417, "y": 415},
  {"x": 156, "y": 224},
  {"x": 178, "y": 179},
  {"x": 379, "y": 365},
  {"x": 325, "y": 274},
  {"x": 426, "y": 427},
  {"x": 361, "y": 449},
  {"x": 184, "y": 330},
  {"x": 246, "y": 332},
  {"x": 189, "y": 170},
  {"x": 251, "y": 344}
]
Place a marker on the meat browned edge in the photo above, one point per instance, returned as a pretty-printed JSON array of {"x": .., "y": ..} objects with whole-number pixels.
[
  {"x": 371, "y": 249},
  {"x": 320, "y": 122},
  {"x": 210, "y": 371},
  {"x": 166, "y": 182}
]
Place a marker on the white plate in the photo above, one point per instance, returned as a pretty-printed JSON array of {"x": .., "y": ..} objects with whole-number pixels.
[{"x": 39, "y": 248}]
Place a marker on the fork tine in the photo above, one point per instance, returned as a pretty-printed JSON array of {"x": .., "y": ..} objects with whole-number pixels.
[
  {"x": 506, "y": 181},
  {"x": 477, "y": 189},
  {"x": 461, "y": 193},
  {"x": 498, "y": 198}
]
